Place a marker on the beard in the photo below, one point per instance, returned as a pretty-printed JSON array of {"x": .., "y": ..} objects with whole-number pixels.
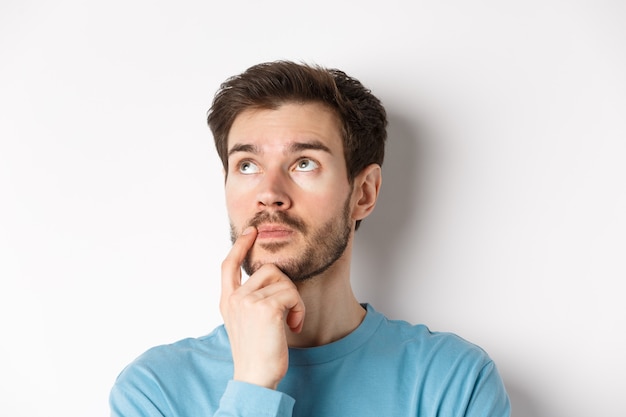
[{"x": 322, "y": 247}]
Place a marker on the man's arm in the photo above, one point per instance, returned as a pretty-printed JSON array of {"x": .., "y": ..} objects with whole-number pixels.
[
  {"x": 254, "y": 314},
  {"x": 489, "y": 397},
  {"x": 141, "y": 392}
]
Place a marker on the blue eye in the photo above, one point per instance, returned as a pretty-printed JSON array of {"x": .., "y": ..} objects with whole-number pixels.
[
  {"x": 248, "y": 167},
  {"x": 306, "y": 165}
]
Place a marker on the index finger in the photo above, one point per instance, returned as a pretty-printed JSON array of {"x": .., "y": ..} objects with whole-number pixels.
[{"x": 231, "y": 266}]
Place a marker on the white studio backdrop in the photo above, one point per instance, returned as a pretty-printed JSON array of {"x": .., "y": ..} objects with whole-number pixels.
[{"x": 501, "y": 216}]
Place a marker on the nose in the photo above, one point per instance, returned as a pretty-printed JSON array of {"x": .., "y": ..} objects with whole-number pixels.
[{"x": 273, "y": 191}]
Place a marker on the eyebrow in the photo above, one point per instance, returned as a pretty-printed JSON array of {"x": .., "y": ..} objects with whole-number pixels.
[
  {"x": 242, "y": 147},
  {"x": 293, "y": 147},
  {"x": 312, "y": 145}
]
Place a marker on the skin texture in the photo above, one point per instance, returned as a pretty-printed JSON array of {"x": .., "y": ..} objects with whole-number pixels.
[
  {"x": 286, "y": 162},
  {"x": 292, "y": 212}
]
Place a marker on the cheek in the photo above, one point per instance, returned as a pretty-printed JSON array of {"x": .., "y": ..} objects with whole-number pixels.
[
  {"x": 312, "y": 183},
  {"x": 236, "y": 199}
]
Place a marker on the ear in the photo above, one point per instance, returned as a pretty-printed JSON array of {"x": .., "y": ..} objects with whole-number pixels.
[{"x": 365, "y": 192}]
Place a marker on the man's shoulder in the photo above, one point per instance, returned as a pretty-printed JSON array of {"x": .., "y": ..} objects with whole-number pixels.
[
  {"x": 212, "y": 347},
  {"x": 165, "y": 376},
  {"x": 419, "y": 341},
  {"x": 445, "y": 366},
  {"x": 421, "y": 334}
]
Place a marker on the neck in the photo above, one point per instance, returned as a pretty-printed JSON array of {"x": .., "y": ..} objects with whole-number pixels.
[{"x": 332, "y": 310}]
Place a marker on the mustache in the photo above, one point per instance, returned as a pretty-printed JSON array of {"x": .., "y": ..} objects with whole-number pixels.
[{"x": 279, "y": 217}]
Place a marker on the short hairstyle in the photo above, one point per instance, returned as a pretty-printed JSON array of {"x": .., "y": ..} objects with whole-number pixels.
[{"x": 269, "y": 85}]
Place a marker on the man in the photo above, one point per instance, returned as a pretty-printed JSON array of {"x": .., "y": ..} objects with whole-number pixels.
[{"x": 302, "y": 149}]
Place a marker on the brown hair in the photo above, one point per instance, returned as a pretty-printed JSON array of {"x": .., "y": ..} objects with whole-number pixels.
[{"x": 269, "y": 85}]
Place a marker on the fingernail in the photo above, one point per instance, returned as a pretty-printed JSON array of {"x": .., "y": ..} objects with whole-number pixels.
[{"x": 248, "y": 230}]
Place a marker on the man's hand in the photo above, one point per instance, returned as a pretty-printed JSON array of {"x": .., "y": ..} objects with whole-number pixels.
[{"x": 255, "y": 314}]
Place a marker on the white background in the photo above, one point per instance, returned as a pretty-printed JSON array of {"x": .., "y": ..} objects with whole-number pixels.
[{"x": 501, "y": 216}]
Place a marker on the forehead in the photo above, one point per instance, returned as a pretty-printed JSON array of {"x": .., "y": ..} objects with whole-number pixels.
[{"x": 291, "y": 122}]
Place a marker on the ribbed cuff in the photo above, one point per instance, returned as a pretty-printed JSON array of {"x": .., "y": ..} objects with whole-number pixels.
[{"x": 243, "y": 399}]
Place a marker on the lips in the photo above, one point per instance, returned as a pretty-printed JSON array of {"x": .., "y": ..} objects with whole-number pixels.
[{"x": 273, "y": 231}]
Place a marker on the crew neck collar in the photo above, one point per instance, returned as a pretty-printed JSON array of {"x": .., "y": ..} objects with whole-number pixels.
[{"x": 341, "y": 347}]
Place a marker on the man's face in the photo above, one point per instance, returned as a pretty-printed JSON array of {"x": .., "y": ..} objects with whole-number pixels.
[{"x": 287, "y": 177}]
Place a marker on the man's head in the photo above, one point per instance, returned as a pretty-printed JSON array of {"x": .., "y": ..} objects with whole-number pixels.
[{"x": 301, "y": 148}]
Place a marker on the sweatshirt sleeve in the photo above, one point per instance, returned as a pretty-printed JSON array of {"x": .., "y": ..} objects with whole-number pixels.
[
  {"x": 489, "y": 397},
  {"x": 140, "y": 393},
  {"x": 242, "y": 400}
]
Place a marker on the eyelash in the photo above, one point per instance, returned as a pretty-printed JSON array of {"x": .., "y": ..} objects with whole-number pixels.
[
  {"x": 240, "y": 165},
  {"x": 313, "y": 161}
]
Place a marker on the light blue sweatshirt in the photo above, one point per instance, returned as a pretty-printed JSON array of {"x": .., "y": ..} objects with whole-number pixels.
[{"x": 383, "y": 368}]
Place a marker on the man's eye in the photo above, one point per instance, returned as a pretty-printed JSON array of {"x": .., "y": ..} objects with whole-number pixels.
[
  {"x": 247, "y": 167},
  {"x": 306, "y": 165}
]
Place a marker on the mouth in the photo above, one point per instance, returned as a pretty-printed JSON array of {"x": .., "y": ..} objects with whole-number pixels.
[{"x": 273, "y": 231}]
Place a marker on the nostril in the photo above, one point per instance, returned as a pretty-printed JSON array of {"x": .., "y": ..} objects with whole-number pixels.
[{"x": 279, "y": 203}]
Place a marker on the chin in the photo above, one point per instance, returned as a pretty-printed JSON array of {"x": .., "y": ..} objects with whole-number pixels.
[{"x": 256, "y": 260}]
